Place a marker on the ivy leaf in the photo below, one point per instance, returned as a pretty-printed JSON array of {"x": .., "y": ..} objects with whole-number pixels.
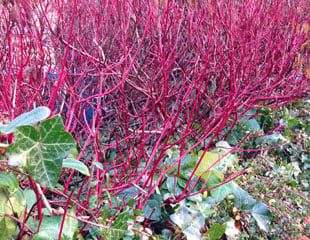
[
  {"x": 118, "y": 228},
  {"x": 75, "y": 164},
  {"x": 190, "y": 221},
  {"x": 208, "y": 160},
  {"x": 128, "y": 194},
  {"x": 30, "y": 197},
  {"x": 34, "y": 116},
  {"x": 222, "y": 192},
  {"x": 215, "y": 232},
  {"x": 50, "y": 228},
  {"x": 152, "y": 208},
  {"x": 243, "y": 200},
  {"x": 8, "y": 182},
  {"x": 15, "y": 204},
  {"x": 172, "y": 186},
  {"x": 249, "y": 123},
  {"x": 262, "y": 216},
  {"x": 41, "y": 151}
]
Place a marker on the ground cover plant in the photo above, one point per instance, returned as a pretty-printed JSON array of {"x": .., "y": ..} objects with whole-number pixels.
[{"x": 141, "y": 119}]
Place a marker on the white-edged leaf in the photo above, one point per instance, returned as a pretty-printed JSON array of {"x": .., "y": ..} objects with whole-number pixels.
[
  {"x": 34, "y": 116},
  {"x": 75, "y": 164},
  {"x": 41, "y": 151}
]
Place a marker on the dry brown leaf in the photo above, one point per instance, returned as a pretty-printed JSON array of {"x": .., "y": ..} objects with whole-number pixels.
[
  {"x": 160, "y": 3},
  {"x": 306, "y": 27},
  {"x": 307, "y": 71},
  {"x": 192, "y": 3},
  {"x": 295, "y": 26},
  {"x": 297, "y": 62},
  {"x": 305, "y": 46}
]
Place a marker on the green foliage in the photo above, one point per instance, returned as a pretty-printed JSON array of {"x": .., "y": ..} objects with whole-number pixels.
[
  {"x": 204, "y": 168},
  {"x": 215, "y": 232},
  {"x": 41, "y": 151},
  {"x": 50, "y": 228},
  {"x": 221, "y": 192},
  {"x": 8, "y": 182},
  {"x": 152, "y": 209},
  {"x": 118, "y": 228},
  {"x": 249, "y": 201},
  {"x": 34, "y": 116},
  {"x": 190, "y": 221},
  {"x": 75, "y": 164},
  {"x": 13, "y": 205},
  {"x": 262, "y": 216}
]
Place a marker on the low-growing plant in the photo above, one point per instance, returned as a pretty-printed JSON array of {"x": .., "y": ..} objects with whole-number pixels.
[{"x": 142, "y": 87}]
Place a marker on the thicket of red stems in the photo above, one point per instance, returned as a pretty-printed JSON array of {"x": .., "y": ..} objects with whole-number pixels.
[{"x": 132, "y": 79}]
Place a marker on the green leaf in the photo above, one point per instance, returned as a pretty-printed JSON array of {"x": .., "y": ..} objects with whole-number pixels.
[
  {"x": 8, "y": 182},
  {"x": 172, "y": 186},
  {"x": 222, "y": 192},
  {"x": 50, "y": 228},
  {"x": 99, "y": 165},
  {"x": 41, "y": 151},
  {"x": 34, "y": 116},
  {"x": 128, "y": 194},
  {"x": 14, "y": 205},
  {"x": 152, "y": 209},
  {"x": 208, "y": 160},
  {"x": 94, "y": 183},
  {"x": 262, "y": 216},
  {"x": 292, "y": 122},
  {"x": 75, "y": 164},
  {"x": 214, "y": 180},
  {"x": 251, "y": 124},
  {"x": 118, "y": 228},
  {"x": 131, "y": 202},
  {"x": 30, "y": 197},
  {"x": 190, "y": 221},
  {"x": 138, "y": 212},
  {"x": 242, "y": 199},
  {"x": 7, "y": 227},
  {"x": 215, "y": 232}
]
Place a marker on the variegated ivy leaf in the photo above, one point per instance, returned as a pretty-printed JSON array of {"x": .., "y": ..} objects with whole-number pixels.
[{"x": 41, "y": 150}]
